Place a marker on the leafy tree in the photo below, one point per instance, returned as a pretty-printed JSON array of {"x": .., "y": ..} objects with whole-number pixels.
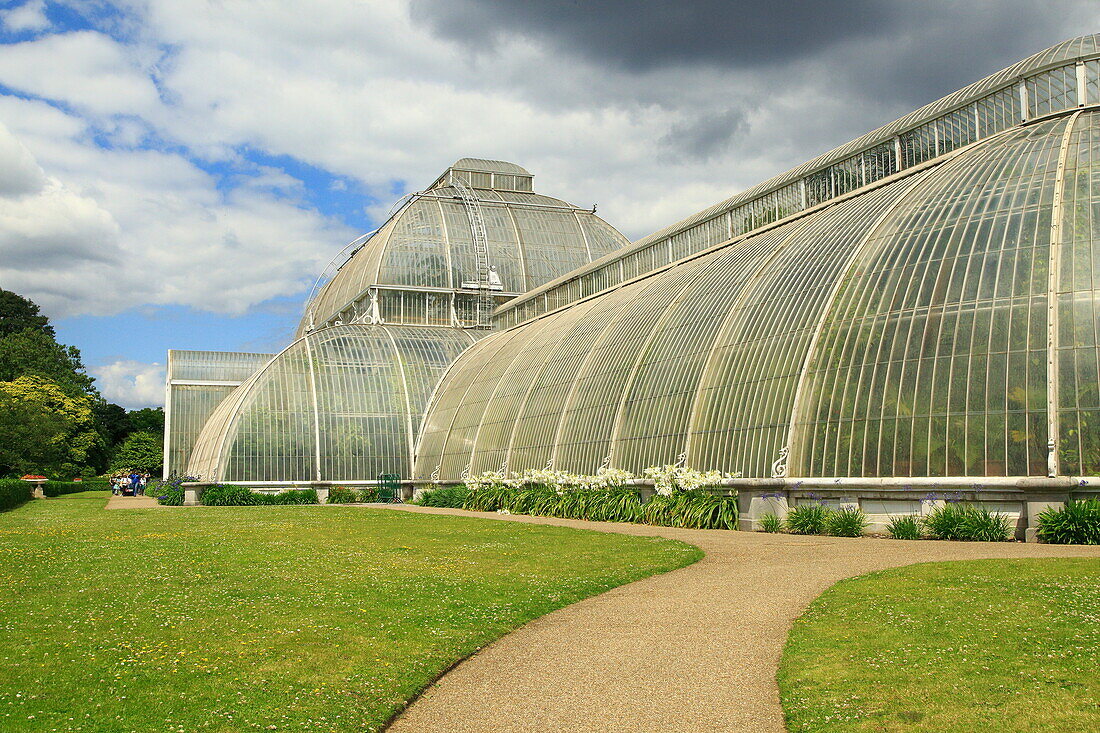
[
  {"x": 31, "y": 440},
  {"x": 68, "y": 424},
  {"x": 112, "y": 421},
  {"x": 34, "y": 352},
  {"x": 143, "y": 451},
  {"x": 20, "y": 314},
  {"x": 147, "y": 419}
]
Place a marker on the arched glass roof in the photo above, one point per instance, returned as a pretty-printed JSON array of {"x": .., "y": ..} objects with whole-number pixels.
[
  {"x": 942, "y": 322},
  {"x": 1065, "y": 76},
  {"x": 340, "y": 404}
]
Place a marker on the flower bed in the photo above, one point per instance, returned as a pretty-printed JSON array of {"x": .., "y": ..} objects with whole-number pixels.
[{"x": 681, "y": 497}]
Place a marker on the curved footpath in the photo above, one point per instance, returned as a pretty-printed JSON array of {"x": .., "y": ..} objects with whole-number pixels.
[{"x": 695, "y": 649}]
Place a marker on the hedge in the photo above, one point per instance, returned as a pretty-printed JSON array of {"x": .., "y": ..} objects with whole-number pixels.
[
  {"x": 14, "y": 492},
  {"x": 60, "y": 488}
]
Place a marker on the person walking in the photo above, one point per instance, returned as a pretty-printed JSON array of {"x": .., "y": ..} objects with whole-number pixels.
[{"x": 135, "y": 482}]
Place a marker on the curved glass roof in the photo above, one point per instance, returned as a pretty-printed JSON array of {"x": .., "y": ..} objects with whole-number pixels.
[
  {"x": 1065, "y": 76},
  {"x": 340, "y": 404},
  {"x": 431, "y": 243},
  {"x": 942, "y": 322}
]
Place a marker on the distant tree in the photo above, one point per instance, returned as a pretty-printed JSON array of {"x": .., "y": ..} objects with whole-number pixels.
[
  {"x": 142, "y": 451},
  {"x": 31, "y": 439},
  {"x": 19, "y": 314},
  {"x": 147, "y": 419},
  {"x": 112, "y": 421},
  {"x": 36, "y": 395},
  {"x": 33, "y": 352}
]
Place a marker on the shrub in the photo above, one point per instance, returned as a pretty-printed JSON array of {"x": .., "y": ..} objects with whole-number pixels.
[
  {"x": 342, "y": 495},
  {"x": 452, "y": 497},
  {"x": 808, "y": 519},
  {"x": 905, "y": 527},
  {"x": 369, "y": 494},
  {"x": 967, "y": 522},
  {"x": 229, "y": 495},
  {"x": 771, "y": 523},
  {"x": 707, "y": 510},
  {"x": 296, "y": 496},
  {"x": 169, "y": 492},
  {"x": 695, "y": 509},
  {"x": 1076, "y": 523},
  {"x": 619, "y": 504},
  {"x": 487, "y": 498},
  {"x": 847, "y": 522},
  {"x": 60, "y": 488},
  {"x": 13, "y": 492}
]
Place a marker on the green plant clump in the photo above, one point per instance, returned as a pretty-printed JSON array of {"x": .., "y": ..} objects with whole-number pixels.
[
  {"x": 342, "y": 495},
  {"x": 294, "y": 497},
  {"x": 771, "y": 523},
  {"x": 692, "y": 509},
  {"x": 847, "y": 522},
  {"x": 13, "y": 492},
  {"x": 905, "y": 527},
  {"x": 967, "y": 522},
  {"x": 1076, "y": 523},
  {"x": 808, "y": 519},
  {"x": 451, "y": 497},
  {"x": 169, "y": 492},
  {"x": 369, "y": 494},
  {"x": 229, "y": 495}
]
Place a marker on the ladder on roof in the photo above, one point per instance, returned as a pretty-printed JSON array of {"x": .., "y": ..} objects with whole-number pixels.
[{"x": 484, "y": 312}]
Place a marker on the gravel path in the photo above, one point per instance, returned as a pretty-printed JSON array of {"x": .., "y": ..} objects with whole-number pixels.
[
  {"x": 132, "y": 502},
  {"x": 692, "y": 650}
]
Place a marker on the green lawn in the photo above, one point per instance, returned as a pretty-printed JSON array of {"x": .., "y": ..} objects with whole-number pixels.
[
  {"x": 990, "y": 645},
  {"x": 269, "y": 618}
]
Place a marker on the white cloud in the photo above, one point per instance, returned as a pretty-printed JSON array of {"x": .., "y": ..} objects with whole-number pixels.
[
  {"x": 145, "y": 217},
  {"x": 359, "y": 90},
  {"x": 85, "y": 69},
  {"x": 132, "y": 384},
  {"x": 30, "y": 16}
]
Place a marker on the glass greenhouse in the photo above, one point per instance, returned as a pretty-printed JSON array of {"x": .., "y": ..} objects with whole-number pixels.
[
  {"x": 916, "y": 305},
  {"x": 344, "y": 401},
  {"x": 921, "y": 302}
]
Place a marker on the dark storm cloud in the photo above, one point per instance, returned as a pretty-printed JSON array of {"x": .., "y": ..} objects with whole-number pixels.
[
  {"x": 900, "y": 49},
  {"x": 705, "y": 135},
  {"x": 642, "y": 34}
]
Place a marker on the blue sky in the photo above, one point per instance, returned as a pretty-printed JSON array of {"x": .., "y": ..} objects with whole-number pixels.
[{"x": 175, "y": 173}]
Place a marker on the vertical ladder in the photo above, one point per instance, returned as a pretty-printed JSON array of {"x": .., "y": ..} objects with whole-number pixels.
[{"x": 470, "y": 202}]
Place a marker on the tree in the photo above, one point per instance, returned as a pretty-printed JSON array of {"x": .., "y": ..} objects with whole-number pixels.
[
  {"x": 34, "y": 352},
  {"x": 147, "y": 419},
  {"x": 112, "y": 421},
  {"x": 31, "y": 440},
  {"x": 143, "y": 451},
  {"x": 66, "y": 418},
  {"x": 20, "y": 314}
]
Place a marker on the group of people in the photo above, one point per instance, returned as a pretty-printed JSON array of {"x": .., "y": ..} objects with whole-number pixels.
[{"x": 132, "y": 484}]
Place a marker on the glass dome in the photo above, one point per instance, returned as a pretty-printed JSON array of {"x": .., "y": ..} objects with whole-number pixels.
[{"x": 423, "y": 265}]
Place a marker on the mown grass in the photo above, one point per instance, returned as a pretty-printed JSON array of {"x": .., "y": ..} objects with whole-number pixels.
[
  {"x": 269, "y": 618},
  {"x": 991, "y": 645}
]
